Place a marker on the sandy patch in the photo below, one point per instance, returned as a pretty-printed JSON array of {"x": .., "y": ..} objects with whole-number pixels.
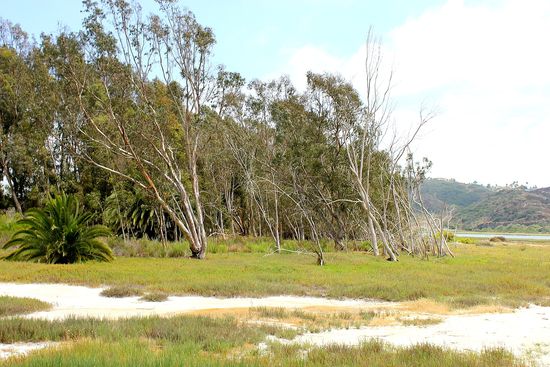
[
  {"x": 77, "y": 301},
  {"x": 525, "y": 332},
  {"x": 21, "y": 349},
  {"x": 428, "y": 306}
]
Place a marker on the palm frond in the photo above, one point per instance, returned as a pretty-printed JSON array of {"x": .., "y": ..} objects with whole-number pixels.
[{"x": 58, "y": 234}]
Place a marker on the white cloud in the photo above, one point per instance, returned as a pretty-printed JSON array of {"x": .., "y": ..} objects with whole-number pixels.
[{"x": 486, "y": 67}]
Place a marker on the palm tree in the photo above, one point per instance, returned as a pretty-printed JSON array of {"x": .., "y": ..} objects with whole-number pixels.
[{"x": 58, "y": 234}]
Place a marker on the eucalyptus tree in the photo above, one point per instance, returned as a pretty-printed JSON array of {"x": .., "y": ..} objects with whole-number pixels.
[
  {"x": 143, "y": 94},
  {"x": 25, "y": 97},
  {"x": 332, "y": 104},
  {"x": 250, "y": 136},
  {"x": 387, "y": 198},
  {"x": 219, "y": 169}
]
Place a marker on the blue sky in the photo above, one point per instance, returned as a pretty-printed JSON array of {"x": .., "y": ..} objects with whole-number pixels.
[
  {"x": 481, "y": 65},
  {"x": 253, "y": 36}
]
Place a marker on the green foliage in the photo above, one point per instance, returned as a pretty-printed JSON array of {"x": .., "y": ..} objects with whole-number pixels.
[
  {"x": 448, "y": 235},
  {"x": 8, "y": 225},
  {"x": 58, "y": 234},
  {"x": 467, "y": 241}
]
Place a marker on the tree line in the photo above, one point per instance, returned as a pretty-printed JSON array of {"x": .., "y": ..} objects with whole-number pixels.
[{"x": 129, "y": 114}]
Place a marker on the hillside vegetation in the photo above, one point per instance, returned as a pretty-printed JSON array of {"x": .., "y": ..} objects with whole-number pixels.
[{"x": 483, "y": 208}]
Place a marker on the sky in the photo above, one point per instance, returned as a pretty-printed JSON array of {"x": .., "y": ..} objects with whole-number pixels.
[{"x": 482, "y": 67}]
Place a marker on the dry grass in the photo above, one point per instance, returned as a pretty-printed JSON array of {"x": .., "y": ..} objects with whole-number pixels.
[{"x": 421, "y": 321}]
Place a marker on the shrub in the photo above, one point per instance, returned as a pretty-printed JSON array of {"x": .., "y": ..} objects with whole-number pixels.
[
  {"x": 497, "y": 239},
  {"x": 58, "y": 234},
  {"x": 448, "y": 235}
]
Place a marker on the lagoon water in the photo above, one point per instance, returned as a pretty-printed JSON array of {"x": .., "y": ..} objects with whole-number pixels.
[{"x": 508, "y": 236}]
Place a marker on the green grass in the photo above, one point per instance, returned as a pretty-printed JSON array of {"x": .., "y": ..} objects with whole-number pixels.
[
  {"x": 146, "y": 352},
  {"x": 202, "y": 341},
  {"x": 208, "y": 333},
  {"x": 509, "y": 275},
  {"x": 10, "y": 306}
]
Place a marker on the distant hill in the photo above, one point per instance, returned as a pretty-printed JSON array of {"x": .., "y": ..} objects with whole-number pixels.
[
  {"x": 482, "y": 208},
  {"x": 438, "y": 192}
]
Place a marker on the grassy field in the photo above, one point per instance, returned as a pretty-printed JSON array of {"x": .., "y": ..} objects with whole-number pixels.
[
  {"x": 504, "y": 274},
  {"x": 484, "y": 272},
  {"x": 200, "y": 341}
]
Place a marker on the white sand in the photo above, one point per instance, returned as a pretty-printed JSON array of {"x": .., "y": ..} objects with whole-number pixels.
[
  {"x": 68, "y": 300},
  {"x": 525, "y": 332},
  {"x": 20, "y": 349}
]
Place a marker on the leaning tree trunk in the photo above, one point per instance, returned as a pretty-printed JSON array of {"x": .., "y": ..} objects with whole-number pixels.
[{"x": 11, "y": 185}]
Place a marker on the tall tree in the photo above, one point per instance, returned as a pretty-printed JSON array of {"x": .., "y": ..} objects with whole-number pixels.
[{"x": 150, "y": 127}]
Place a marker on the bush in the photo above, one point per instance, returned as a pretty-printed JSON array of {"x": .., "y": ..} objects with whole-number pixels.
[
  {"x": 497, "y": 239},
  {"x": 466, "y": 241},
  {"x": 448, "y": 235},
  {"x": 58, "y": 234}
]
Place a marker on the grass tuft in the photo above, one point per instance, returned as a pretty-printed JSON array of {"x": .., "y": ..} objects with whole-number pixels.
[
  {"x": 10, "y": 306},
  {"x": 270, "y": 312},
  {"x": 421, "y": 321},
  {"x": 121, "y": 291},
  {"x": 154, "y": 297}
]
